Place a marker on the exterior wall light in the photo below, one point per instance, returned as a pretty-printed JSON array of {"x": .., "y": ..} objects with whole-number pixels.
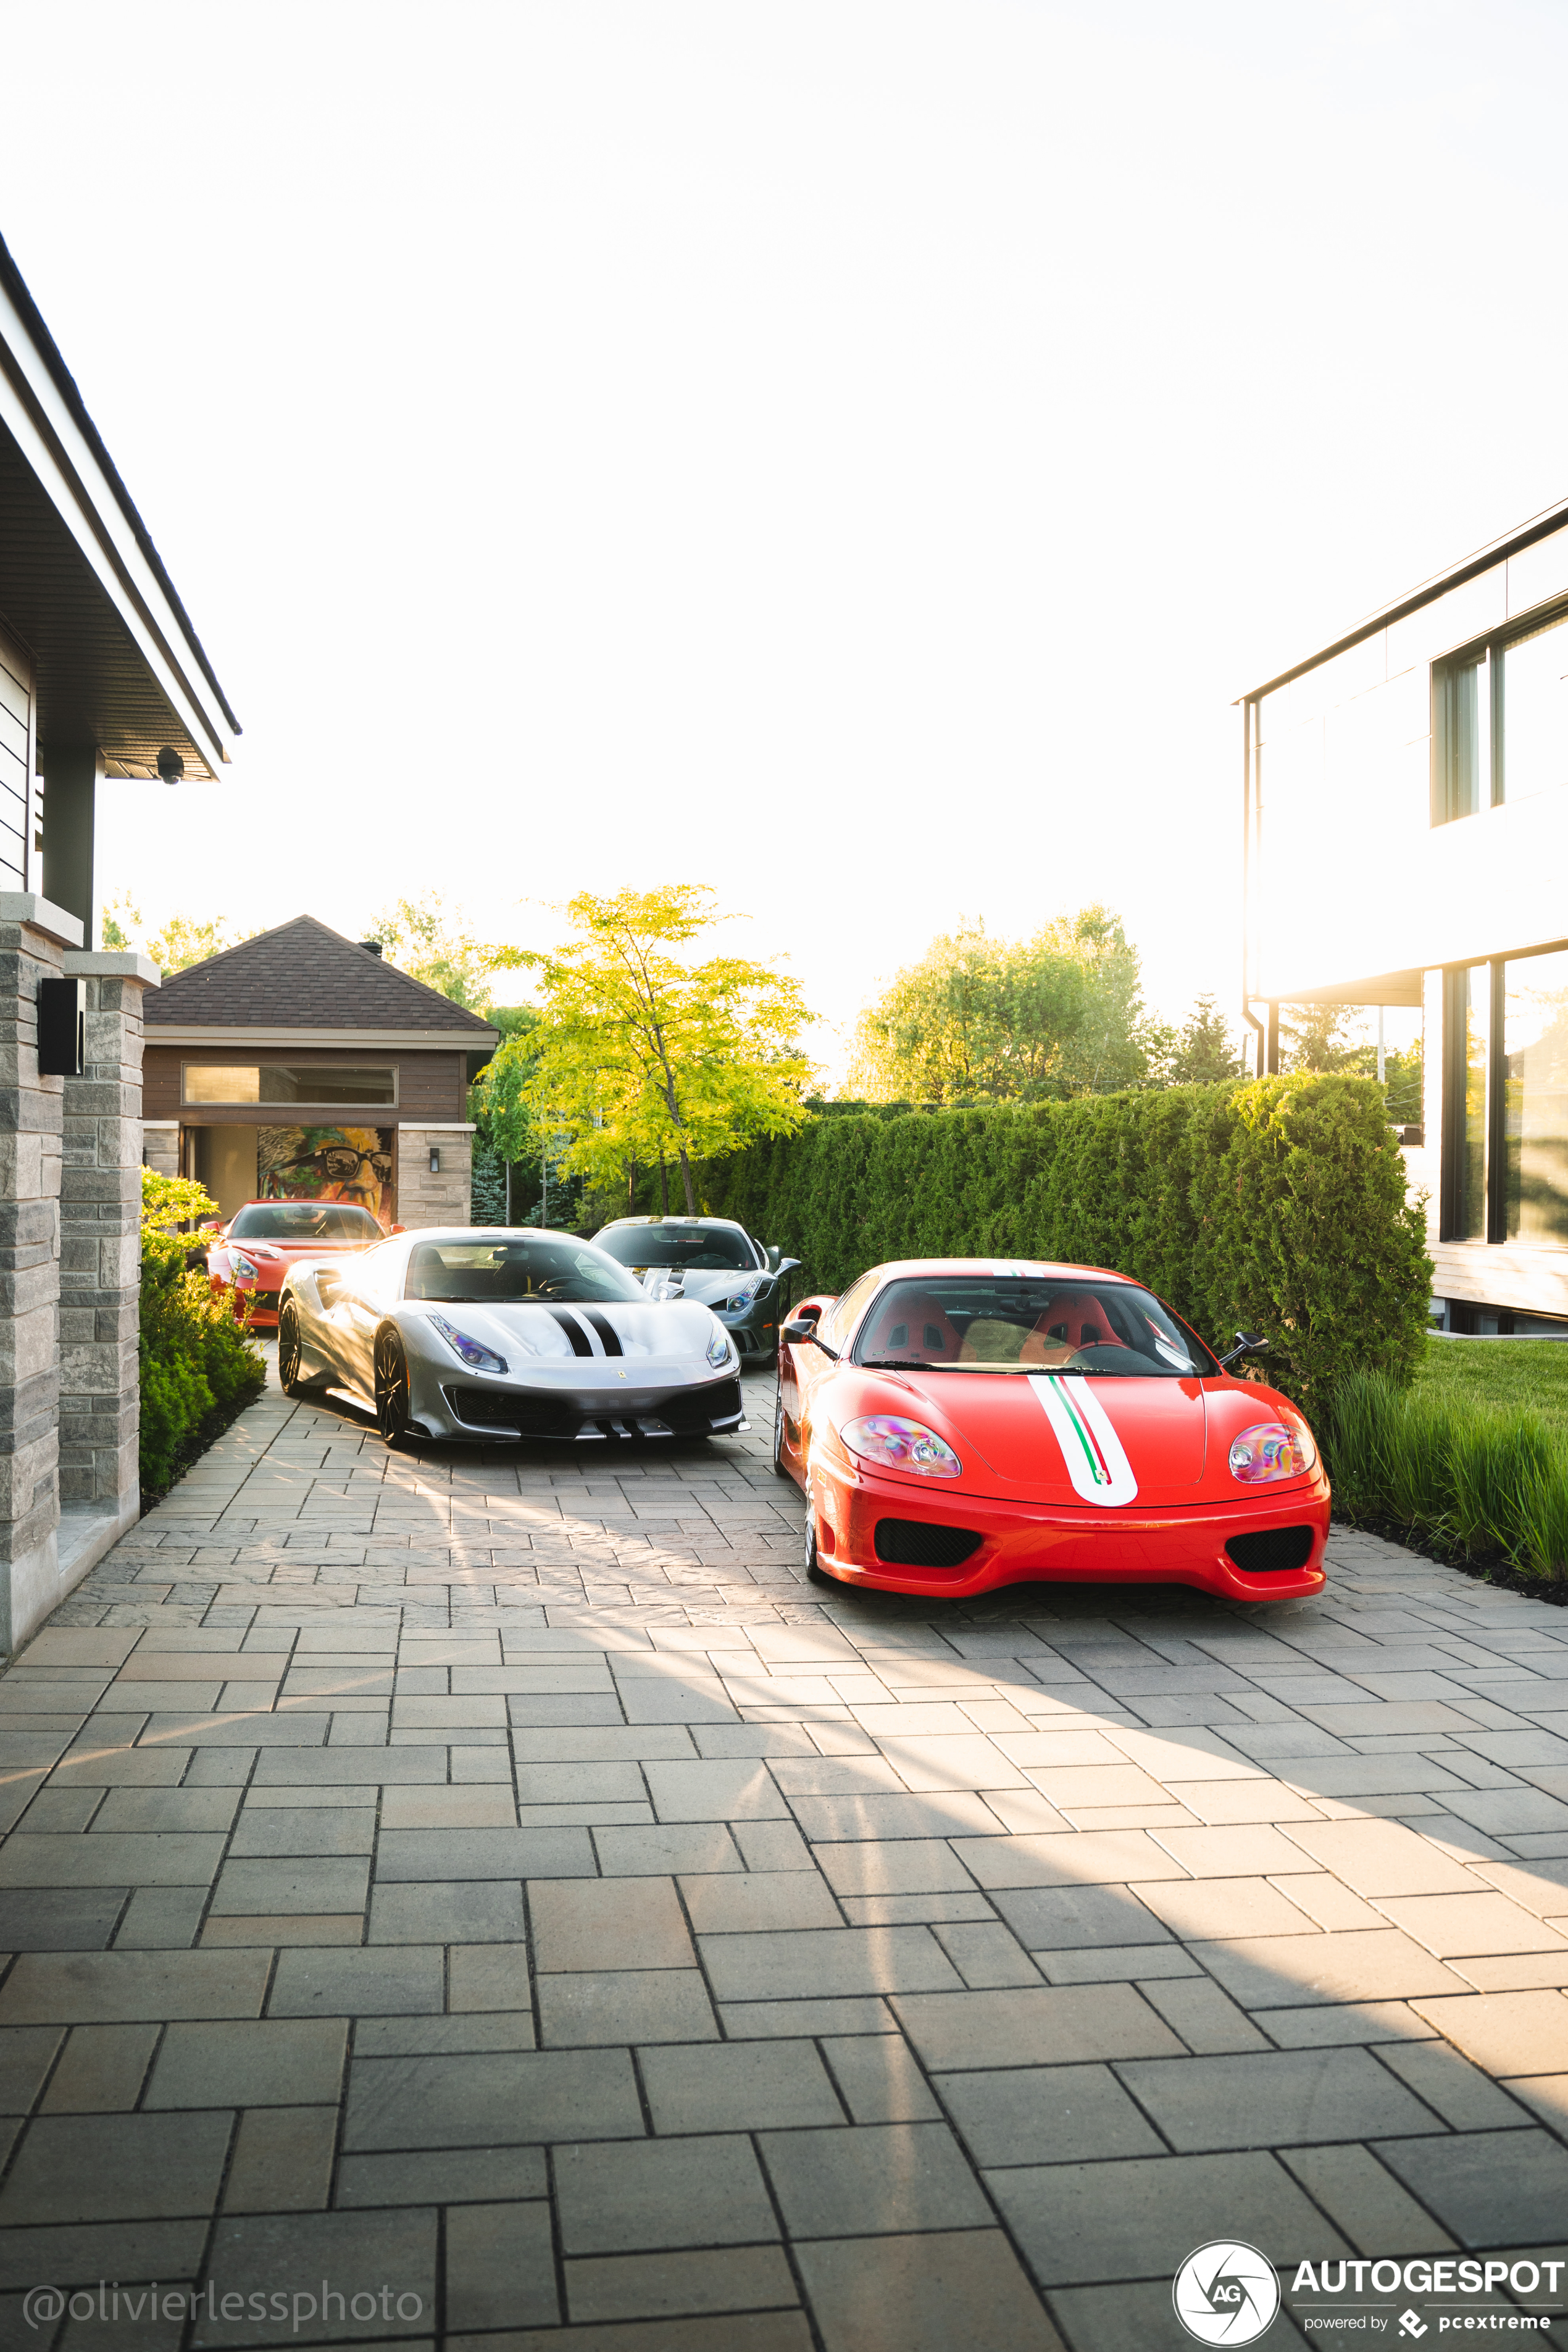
[{"x": 435, "y": 1159}]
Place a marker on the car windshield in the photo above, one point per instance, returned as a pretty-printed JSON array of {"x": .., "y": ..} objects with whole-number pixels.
[
  {"x": 718, "y": 1248},
  {"x": 303, "y": 1220},
  {"x": 495, "y": 1273},
  {"x": 1038, "y": 1324}
]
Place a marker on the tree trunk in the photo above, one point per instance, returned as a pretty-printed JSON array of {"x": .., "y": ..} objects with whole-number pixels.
[
  {"x": 631, "y": 1188},
  {"x": 663, "y": 1187},
  {"x": 686, "y": 1179}
]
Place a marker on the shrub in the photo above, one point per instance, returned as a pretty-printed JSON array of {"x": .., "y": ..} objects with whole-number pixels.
[
  {"x": 1476, "y": 1480},
  {"x": 198, "y": 1366},
  {"x": 1276, "y": 1205}
]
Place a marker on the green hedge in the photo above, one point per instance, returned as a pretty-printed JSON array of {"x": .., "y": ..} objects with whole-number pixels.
[{"x": 1277, "y": 1205}]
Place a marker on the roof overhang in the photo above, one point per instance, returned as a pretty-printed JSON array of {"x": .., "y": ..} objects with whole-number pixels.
[
  {"x": 362, "y": 1041},
  {"x": 119, "y": 666},
  {"x": 1379, "y": 988},
  {"x": 1513, "y": 542}
]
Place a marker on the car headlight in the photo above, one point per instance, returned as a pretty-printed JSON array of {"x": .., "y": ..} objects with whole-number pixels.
[
  {"x": 895, "y": 1443},
  {"x": 719, "y": 1349},
  {"x": 1270, "y": 1450},
  {"x": 747, "y": 1291},
  {"x": 243, "y": 1269},
  {"x": 477, "y": 1357}
]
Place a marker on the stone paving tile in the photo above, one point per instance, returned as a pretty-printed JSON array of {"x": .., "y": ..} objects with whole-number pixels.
[{"x": 505, "y": 1871}]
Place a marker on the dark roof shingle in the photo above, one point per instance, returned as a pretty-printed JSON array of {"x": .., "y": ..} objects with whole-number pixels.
[{"x": 302, "y": 976}]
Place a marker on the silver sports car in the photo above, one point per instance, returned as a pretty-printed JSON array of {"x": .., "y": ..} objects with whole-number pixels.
[
  {"x": 487, "y": 1332},
  {"x": 710, "y": 1258}
]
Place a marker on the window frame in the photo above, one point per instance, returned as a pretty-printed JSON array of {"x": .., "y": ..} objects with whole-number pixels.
[
  {"x": 1491, "y": 648},
  {"x": 326, "y": 1070},
  {"x": 1454, "y": 1074}
]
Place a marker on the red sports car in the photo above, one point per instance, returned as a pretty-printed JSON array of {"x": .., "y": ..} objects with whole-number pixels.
[
  {"x": 255, "y": 1249},
  {"x": 964, "y": 1423}
]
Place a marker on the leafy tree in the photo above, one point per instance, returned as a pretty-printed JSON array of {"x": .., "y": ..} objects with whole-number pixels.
[
  {"x": 1204, "y": 1053},
  {"x": 181, "y": 943},
  {"x": 1324, "y": 1038},
  {"x": 639, "y": 1055},
  {"x": 433, "y": 943},
  {"x": 982, "y": 1020},
  {"x": 1318, "y": 1038}
]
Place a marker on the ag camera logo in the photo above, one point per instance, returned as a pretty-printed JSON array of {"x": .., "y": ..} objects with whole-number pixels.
[{"x": 1225, "y": 2293}]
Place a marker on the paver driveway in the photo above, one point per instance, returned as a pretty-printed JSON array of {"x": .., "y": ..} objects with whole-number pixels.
[{"x": 498, "y": 1889}]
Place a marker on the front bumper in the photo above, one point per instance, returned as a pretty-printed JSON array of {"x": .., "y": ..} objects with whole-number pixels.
[
  {"x": 455, "y": 1403},
  {"x": 1025, "y": 1543},
  {"x": 755, "y": 1328},
  {"x": 258, "y": 1307}
]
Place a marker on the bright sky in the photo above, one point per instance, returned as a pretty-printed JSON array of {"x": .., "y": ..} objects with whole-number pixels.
[{"x": 850, "y": 452}]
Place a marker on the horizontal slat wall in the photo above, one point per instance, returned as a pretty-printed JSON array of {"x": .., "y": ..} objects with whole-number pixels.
[
  {"x": 15, "y": 700},
  {"x": 430, "y": 1087}
]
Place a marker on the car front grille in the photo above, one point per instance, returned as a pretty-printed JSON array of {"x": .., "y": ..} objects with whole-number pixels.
[
  {"x": 531, "y": 1416},
  {"x": 690, "y": 1412},
  {"x": 1272, "y": 1552},
  {"x": 918, "y": 1543}
]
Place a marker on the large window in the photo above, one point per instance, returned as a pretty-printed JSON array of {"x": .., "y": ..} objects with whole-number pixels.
[
  {"x": 1472, "y": 1008},
  {"x": 275, "y": 1082},
  {"x": 1535, "y": 1099},
  {"x": 1505, "y": 1173},
  {"x": 1501, "y": 719}
]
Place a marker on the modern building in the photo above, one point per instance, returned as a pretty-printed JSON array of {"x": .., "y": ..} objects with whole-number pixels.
[
  {"x": 1406, "y": 844},
  {"x": 300, "y": 1065},
  {"x": 101, "y": 675}
]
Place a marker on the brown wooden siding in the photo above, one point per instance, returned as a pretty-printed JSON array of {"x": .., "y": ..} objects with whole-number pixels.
[{"x": 431, "y": 1085}]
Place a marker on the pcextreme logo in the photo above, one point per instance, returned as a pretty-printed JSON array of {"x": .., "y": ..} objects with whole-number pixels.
[{"x": 1225, "y": 2293}]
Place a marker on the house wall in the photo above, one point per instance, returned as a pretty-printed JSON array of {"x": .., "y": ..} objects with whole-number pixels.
[
  {"x": 1353, "y": 886},
  {"x": 431, "y": 1085},
  {"x": 1350, "y": 876}
]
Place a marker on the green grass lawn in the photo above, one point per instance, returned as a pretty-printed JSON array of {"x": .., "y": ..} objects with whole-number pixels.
[{"x": 1500, "y": 1372}]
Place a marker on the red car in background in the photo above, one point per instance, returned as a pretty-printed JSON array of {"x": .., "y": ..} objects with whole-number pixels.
[
  {"x": 255, "y": 1249},
  {"x": 959, "y": 1423}
]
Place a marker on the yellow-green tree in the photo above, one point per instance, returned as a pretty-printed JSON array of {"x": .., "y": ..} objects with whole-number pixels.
[{"x": 640, "y": 1054}]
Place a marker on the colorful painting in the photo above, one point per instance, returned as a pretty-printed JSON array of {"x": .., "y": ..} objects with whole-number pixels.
[{"x": 327, "y": 1164}]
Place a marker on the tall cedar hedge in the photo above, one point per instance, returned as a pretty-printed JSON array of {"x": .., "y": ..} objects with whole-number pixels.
[{"x": 1277, "y": 1206}]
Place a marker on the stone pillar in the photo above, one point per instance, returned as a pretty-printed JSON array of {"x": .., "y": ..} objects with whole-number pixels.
[
  {"x": 434, "y": 1197},
  {"x": 34, "y": 936},
  {"x": 100, "y": 1259},
  {"x": 161, "y": 1145}
]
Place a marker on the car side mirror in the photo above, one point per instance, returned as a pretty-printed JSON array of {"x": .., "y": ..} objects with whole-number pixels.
[
  {"x": 786, "y": 1265},
  {"x": 771, "y": 1252},
  {"x": 797, "y": 1333},
  {"x": 1247, "y": 1343},
  {"x": 400, "y": 1229}
]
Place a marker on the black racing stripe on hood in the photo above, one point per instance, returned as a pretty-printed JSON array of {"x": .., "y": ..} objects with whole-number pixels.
[
  {"x": 606, "y": 1329},
  {"x": 581, "y": 1345}
]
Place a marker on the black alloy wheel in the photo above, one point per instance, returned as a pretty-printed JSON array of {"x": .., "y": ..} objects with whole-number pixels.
[
  {"x": 289, "y": 1353},
  {"x": 781, "y": 1467},
  {"x": 390, "y": 1389}
]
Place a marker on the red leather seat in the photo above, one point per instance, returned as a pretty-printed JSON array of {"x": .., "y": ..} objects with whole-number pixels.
[
  {"x": 1070, "y": 1323},
  {"x": 913, "y": 1329}
]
